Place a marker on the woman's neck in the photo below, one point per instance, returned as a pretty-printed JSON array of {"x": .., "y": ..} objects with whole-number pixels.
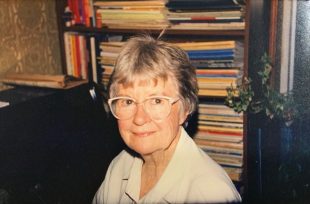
[
  {"x": 154, "y": 165},
  {"x": 161, "y": 157}
]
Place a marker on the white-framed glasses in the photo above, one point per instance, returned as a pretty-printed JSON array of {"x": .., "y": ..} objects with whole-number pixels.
[{"x": 157, "y": 107}]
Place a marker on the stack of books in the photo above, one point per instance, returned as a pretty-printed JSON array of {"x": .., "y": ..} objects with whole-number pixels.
[
  {"x": 206, "y": 15},
  {"x": 146, "y": 14},
  {"x": 108, "y": 54},
  {"x": 220, "y": 135},
  {"x": 219, "y": 65}
]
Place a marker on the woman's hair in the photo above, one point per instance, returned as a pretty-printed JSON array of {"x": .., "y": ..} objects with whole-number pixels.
[{"x": 149, "y": 58}]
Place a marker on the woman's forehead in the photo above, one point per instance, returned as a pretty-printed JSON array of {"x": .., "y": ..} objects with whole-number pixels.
[
  {"x": 143, "y": 83},
  {"x": 149, "y": 83}
]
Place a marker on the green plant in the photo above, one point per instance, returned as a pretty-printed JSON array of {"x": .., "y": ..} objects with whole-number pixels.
[{"x": 271, "y": 102}]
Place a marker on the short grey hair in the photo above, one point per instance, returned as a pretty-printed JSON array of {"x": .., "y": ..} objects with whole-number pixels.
[{"x": 155, "y": 59}]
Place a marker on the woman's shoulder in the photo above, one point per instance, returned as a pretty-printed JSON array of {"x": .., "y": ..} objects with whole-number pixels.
[
  {"x": 123, "y": 157},
  {"x": 123, "y": 161},
  {"x": 198, "y": 157},
  {"x": 205, "y": 173}
]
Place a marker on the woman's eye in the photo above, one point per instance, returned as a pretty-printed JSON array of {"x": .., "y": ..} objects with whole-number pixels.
[
  {"x": 156, "y": 101},
  {"x": 126, "y": 102}
]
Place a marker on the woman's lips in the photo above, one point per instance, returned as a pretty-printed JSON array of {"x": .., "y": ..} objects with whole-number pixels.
[{"x": 142, "y": 134}]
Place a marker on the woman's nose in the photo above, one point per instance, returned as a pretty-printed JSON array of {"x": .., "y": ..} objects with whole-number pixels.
[{"x": 141, "y": 116}]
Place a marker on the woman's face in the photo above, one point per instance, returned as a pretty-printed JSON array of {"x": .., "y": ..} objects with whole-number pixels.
[{"x": 140, "y": 132}]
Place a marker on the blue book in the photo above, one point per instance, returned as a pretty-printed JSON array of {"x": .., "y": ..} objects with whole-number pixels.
[
  {"x": 214, "y": 57},
  {"x": 206, "y": 52}
]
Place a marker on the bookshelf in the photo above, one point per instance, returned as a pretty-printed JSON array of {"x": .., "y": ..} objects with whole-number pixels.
[{"x": 225, "y": 144}]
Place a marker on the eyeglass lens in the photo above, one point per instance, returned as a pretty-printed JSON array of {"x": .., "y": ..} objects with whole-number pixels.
[{"x": 156, "y": 108}]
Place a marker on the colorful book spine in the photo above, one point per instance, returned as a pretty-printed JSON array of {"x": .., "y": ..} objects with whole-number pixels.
[{"x": 76, "y": 54}]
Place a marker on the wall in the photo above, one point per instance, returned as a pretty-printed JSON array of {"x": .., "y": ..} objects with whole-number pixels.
[{"x": 29, "y": 37}]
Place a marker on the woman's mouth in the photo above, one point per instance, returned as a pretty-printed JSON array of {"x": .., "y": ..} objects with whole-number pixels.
[{"x": 142, "y": 134}]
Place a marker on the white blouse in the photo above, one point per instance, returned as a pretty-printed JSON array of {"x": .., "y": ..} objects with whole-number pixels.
[{"x": 190, "y": 177}]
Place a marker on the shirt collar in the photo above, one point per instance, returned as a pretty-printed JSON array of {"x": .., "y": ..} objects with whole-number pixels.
[{"x": 134, "y": 179}]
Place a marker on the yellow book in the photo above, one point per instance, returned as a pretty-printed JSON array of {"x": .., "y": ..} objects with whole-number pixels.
[
  {"x": 221, "y": 118},
  {"x": 132, "y": 16},
  {"x": 128, "y": 3},
  {"x": 220, "y": 129},
  {"x": 128, "y": 12},
  {"x": 207, "y": 45},
  {"x": 212, "y": 92}
]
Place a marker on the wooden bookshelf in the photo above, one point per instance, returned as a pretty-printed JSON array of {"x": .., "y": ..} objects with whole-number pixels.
[{"x": 242, "y": 35}]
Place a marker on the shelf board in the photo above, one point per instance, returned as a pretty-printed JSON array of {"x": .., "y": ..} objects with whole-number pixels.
[{"x": 156, "y": 31}]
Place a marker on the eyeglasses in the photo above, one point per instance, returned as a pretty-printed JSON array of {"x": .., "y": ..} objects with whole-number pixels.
[{"x": 157, "y": 107}]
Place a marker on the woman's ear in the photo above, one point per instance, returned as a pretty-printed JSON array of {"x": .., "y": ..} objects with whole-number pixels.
[{"x": 183, "y": 115}]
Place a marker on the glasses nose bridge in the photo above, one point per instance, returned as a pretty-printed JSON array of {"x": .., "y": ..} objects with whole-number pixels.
[{"x": 143, "y": 105}]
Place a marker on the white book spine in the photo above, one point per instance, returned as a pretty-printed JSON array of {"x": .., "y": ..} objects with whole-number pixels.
[{"x": 68, "y": 53}]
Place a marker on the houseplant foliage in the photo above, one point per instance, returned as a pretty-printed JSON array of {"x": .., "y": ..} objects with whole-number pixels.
[
  {"x": 271, "y": 102},
  {"x": 280, "y": 108}
]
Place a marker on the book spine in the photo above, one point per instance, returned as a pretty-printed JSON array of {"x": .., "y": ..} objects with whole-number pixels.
[
  {"x": 68, "y": 53},
  {"x": 93, "y": 59},
  {"x": 78, "y": 56},
  {"x": 83, "y": 57}
]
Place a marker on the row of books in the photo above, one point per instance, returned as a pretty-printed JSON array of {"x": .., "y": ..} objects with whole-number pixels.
[
  {"x": 209, "y": 15},
  {"x": 108, "y": 54},
  {"x": 158, "y": 14},
  {"x": 80, "y": 12},
  {"x": 219, "y": 63},
  {"x": 80, "y": 52},
  {"x": 132, "y": 14},
  {"x": 220, "y": 135},
  {"x": 76, "y": 55}
]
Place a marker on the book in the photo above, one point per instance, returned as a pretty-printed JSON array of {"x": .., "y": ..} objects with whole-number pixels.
[
  {"x": 132, "y": 14},
  {"x": 118, "y": 4},
  {"x": 205, "y": 108},
  {"x": 68, "y": 54},
  {"x": 214, "y": 149},
  {"x": 234, "y": 173},
  {"x": 40, "y": 80},
  {"x": 227, "y": 159},
  {"x": 221, "y": 124},
  {"x": 220, "y": 129},
  {"x": 207, "y": 45},
  {"x": 202, "y": 13},
  {"x": 213, "y": 92},
  {"x": 217, "y": 117},
  {"x": 93, "y": 59},
  {"x": 209, "y": 26},
  {"x": 76, "y": 53},
  {"x": 205, "y": 5},
  {"x": 219, "y": 136}
]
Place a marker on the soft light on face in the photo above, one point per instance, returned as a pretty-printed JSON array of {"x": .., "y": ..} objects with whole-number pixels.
[{"x": 140, "y": 132}]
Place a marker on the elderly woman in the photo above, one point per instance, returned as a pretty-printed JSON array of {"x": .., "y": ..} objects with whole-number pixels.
[{"x": 153, "y": 90}]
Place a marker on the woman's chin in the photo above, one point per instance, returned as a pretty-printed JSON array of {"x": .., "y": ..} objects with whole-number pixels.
[{"x": 142, "y": 150}]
